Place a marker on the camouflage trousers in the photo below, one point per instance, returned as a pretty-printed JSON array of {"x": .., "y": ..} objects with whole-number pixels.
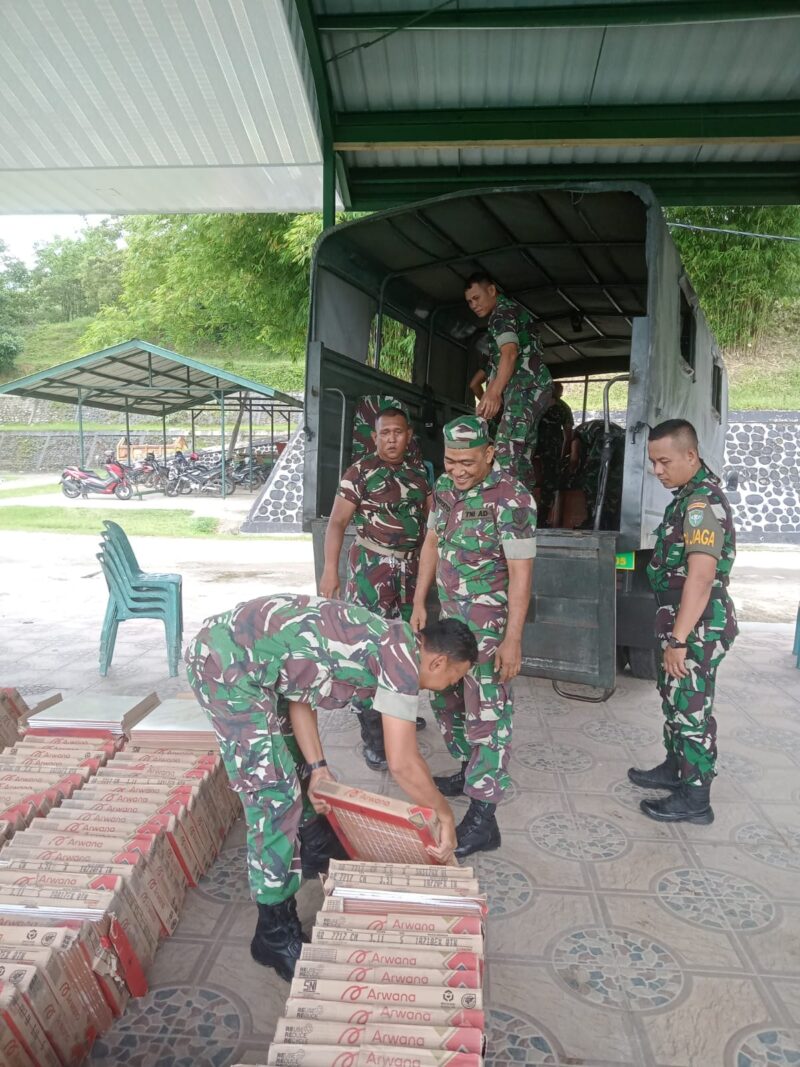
[
  {"x": 475, "y": 716},
  {"x": 386, "y": 586},
  {"x": 690, "y": 729},
  {"x": 383, "y": 584},
  {"x": 262, "y": 760},
  {"x": 517, "y": 435}
]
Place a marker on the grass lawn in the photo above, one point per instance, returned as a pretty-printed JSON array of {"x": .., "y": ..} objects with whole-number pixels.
[
  {"x": 32, "y": 490},
  {"x": 90, "y": 521}
]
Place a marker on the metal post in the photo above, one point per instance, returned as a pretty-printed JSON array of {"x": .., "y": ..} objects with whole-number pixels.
[
  {"x": 128, "y": 432},
  {"x": 80, "y": 428},
  {"x": 222, "y": 439},
  {"x": 328, "y": 185},
  {"x": 585, "y": 396},
  {"x": 193, "y": 415},
  {"x": 250, "y": 429},
  {"x": 164, "y": 437}
]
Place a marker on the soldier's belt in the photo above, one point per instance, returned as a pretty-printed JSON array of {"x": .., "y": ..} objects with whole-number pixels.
[
  {"x": 672, "y": 598},
  {"x": 383, "y": 550}
]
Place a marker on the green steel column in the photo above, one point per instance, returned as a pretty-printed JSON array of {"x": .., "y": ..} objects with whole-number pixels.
[
  {"x": 163, "y": 436},
  {"x": 222, "y": 439},
  {"x": 328, "y": 186},
  {"x": 80, "y": 428}
]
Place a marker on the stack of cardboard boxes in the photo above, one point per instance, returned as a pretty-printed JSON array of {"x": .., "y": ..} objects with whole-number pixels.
[
  {"x": 395, "y": 968},
  {"x": 87, "y": 891}
]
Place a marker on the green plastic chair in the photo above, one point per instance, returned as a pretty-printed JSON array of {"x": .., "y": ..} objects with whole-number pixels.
[
  {"x": 141, "y": 582},
  {"x": 132, "y": 595},
  {"x": 114, "y": 534}
]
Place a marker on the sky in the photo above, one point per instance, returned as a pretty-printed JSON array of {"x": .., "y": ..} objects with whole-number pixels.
[{"x": 21, "y": 232}]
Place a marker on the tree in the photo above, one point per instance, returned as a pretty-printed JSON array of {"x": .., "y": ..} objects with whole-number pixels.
[
  {"x": 13, "y": 294},
  {"x": 76, "y": 276},
  {"x": 228, "y": 279},
  {"x": 740, "y": 280}
]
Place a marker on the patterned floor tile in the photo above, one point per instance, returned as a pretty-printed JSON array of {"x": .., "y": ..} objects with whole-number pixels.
[
  {"x": 577, "y": 837},
  {"x": 715, "y": 899},
  {"x": 769, "y": 1048}
]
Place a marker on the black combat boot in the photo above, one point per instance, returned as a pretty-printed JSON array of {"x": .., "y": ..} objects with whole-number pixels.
[
  {"x": 318, "y": 846},
  {"x": 451, "y": 785},
  {"x": 691, "y": 803},
  {"x": 278, "y": 938},
  {"x": 478, "y": 830},
  {"x": 665, "y": 776},
  {"x": 372, "y": 736}
]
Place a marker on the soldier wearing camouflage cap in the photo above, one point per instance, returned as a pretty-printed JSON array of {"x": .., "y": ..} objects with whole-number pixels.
[
  {"x": 695, "y": 622},
  {"x": 480, "y": 548},
  {"x": 518, "y": 380},
  {"x": 388, "y": 500},
  {"x": 262, "y": 672}
]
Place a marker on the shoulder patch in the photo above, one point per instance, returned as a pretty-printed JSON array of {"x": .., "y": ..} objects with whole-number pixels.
[{"x": 696, "y": 515}]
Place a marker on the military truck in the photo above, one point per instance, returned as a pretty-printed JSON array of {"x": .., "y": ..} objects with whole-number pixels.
[{"x": 598, "y": 269}]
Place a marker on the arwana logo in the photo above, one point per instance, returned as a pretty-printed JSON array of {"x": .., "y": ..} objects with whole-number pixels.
[
  {"x": 351, "y": 1036},
  {"x": 345, "y": 1059},
  {"x": 360, "y": 1017},
  {"x": 354, "y": 992}
]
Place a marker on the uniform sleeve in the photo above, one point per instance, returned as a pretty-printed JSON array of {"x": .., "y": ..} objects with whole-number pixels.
[
  {"x": 397, "y": 691},
  {"x": 436, "y": 503},
  {"x": 351, "y": 487},
  {"x": 702, "y": 529},
  {"x": 503, "y": 326},
  {"x": 516, "y": 524}
]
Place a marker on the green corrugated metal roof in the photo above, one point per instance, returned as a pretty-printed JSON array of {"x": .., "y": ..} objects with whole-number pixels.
[
  {"x": 703, "y": 97},
  {"x": 140, "y": 378}
]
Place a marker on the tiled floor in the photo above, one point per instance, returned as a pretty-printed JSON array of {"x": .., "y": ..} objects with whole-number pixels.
[{"x": 613, "y": 941}]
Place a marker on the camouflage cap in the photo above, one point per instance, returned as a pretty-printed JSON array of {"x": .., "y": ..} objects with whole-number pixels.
[
  {"x": 467, "y": 431},
  {"x": 389, "y": 403}
]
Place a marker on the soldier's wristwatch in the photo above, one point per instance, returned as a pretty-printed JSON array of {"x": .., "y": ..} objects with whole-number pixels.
[{"x": 673, "y": 642}]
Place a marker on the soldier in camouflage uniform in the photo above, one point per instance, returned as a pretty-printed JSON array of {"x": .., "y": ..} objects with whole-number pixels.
[
  {"x": 480, "y": 547},
  {"x": 262, "y": 672},
  {"x": 518, "y": 377},
  {"x": 586, "y": 465},
  {"x": 695, "y": 622},
  {"x": 555, "y": 437},
  {"x": 388, "y": 500}
]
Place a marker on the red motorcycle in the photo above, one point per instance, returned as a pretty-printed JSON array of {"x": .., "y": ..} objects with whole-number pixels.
[{"x": 77, "y": 481}]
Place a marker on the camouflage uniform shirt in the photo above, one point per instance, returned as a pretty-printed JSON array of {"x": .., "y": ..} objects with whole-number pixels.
[
  {"x": 510, "y": 323},
  {"x": 698, "y": 519},
  {"x": 389, "y": 502},
  {"x": 478, "y": 531},
  {"x": 321, "y": 652}
]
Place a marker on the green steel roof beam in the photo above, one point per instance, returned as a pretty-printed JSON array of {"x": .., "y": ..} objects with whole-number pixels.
[
  {"x": 333, "y": 167},
  {"x": 375, "y": 188},
  {"x": 762, "y": 120},
  {"x": 561, "y": 15}
]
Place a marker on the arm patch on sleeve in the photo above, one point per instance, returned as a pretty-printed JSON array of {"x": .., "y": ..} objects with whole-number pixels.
[{"x": 702, "y": 529}]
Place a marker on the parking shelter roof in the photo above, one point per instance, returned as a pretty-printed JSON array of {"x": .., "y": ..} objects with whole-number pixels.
[{"x": 141, "y": 379}]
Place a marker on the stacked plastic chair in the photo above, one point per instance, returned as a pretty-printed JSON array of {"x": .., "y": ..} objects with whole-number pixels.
[{"x": 136, "y": 594}]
